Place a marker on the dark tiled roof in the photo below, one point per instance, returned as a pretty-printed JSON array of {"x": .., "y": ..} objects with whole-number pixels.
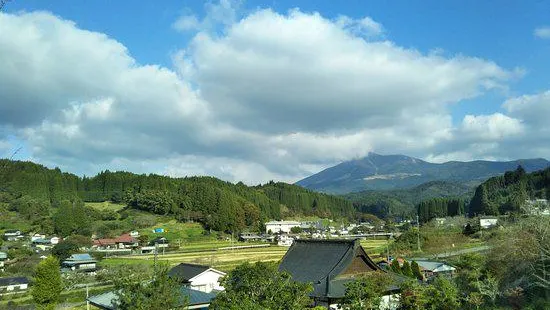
[
  {"x": 184, "y": 272},
  {"x": 107, "y": 300},
  {"x": 13, "y": 281},
  {"x": 321, "y": 261}
]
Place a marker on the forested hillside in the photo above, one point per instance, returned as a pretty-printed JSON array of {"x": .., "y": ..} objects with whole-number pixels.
[
  {"x": 36, "y": 191},
  {"x": 509, "y": 192},
  {"x": 403, "y": 202}
]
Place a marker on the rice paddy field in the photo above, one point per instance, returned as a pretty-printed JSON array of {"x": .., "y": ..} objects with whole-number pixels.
[{"x": 209, "y": 253}]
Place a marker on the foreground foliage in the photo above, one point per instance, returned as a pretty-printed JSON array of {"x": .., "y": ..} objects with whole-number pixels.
[
  {"x": 260, "y": 286},
  {"x": 160, "y": 293},
  {"x": 47, "y": 284}
]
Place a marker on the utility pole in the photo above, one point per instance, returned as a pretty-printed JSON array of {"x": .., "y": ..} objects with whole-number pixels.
[
  {"x": 87, "y": 296},
  {"x": 418, "y": 233},
  {"x": 156, "y": 256}
]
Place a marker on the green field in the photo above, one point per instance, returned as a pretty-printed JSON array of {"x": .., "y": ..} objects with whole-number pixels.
[
  {"x": 208, "y": 253},
  {"x": 106, "y": 205}
]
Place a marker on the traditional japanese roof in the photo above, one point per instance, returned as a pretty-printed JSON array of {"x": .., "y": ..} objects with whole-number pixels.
[
  {"x": 196, "y": 298},
  {"x": 328, "y": 264},
  {"x": 124, "y": 238},
  {"x": 282, "y": 223},
  {"x": 185, "y": 272},
  {"x": 13, "y": 281},
  {"x": 79, "y": 259}
]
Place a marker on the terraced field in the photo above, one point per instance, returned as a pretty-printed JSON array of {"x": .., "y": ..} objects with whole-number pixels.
[{"x": 208, "y": 254}]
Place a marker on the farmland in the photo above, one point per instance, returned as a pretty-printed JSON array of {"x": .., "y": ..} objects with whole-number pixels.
[{"x": 209, "y": 253}]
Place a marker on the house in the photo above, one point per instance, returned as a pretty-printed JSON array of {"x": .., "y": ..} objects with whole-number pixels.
[
  {"x": 197, "y": 277},
  {"x": 159, "y": 242},
  {"x": 329, "y": 265},
  {"x": 488, "y": 222},
  {"x": 196, "y": 299},
  {"x": 13, "y": 284},
  {"x": 12, "y": 235},
  {"x": 285, "y": 240},
  {"x": 122, "y": 242},
  {"x": 37, "y": 236},
  {"x": 249, "y": 237},
  {"x": 44, "y": 244},
  {"x": 3, "y": 257},
  {"x": 79, "y": 262},
  {"x": 134, "y": 234},
  {"x": 280, "y": 226},
  {"x": 430, "y": 269}
]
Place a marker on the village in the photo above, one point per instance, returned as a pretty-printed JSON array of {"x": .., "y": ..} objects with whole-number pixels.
[{"x": 331, "y": 252}]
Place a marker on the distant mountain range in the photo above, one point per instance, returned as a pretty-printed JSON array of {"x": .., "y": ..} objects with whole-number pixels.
[{"x": 384, "y": 172}]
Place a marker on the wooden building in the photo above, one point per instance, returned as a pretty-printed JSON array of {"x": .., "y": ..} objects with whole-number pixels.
[{"x": 330, "y": 265}]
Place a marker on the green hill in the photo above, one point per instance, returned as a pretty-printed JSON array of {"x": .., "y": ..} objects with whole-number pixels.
[
  {"x": 403, "y": 202},
  {"x": 40, "y": 194},
  {"x": 508, "y": 193}
]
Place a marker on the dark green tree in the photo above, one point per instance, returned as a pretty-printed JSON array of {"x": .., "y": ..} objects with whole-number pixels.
[
  {"x": 406, "y": 270},
  {"x": 162, "y": 292},
  {"x": 261, "y": 286},
  {"x": 64, "y": 249},
  {"x": 442, "y": 294},
  {"x": 416, "y": 271},
  {"x": 47, "y": 283},
  {"x": 366, "y": 292},
  {"x": 395, "y": 267}
]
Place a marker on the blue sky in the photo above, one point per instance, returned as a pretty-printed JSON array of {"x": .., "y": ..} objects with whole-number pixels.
[{"x": 490, "y": 52}]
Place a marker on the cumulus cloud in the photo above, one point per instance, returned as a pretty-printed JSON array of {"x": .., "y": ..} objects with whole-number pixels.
[
  {"x": 491, "y": 127},
  {"x": 272, "y": 96},
  {"x": 304, "y": 72},
  {"x": 542, "y": 32}
]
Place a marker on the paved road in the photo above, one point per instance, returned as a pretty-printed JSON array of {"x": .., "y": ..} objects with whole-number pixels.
[{"x": 455, "y": 253}]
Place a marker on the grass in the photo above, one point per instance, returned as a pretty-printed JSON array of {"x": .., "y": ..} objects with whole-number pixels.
[
  {"x": 106, "y": 205},
  {"x": 182, "y": 233}
]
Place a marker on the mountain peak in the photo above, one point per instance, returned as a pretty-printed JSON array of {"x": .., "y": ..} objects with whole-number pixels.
[{"x": 376, "y": 172}]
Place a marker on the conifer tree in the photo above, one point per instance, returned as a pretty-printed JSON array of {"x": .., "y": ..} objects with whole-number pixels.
[{"x": 47, "y": 283}]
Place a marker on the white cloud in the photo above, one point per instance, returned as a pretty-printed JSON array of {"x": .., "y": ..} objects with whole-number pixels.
[
  {"x": 186, "y": 23},
  {"x": 491, "y": 127},
  {"x": 365, "y": 26},
  {"x": 534, "y": 108},
  {"x": 273, "y": 96},
  {"x": 542, "y": 32},
  {"x": 302, "y": 72}
]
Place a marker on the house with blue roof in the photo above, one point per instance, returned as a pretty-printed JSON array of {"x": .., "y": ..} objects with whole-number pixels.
[
  {"x": 196, "y": 299},
  {"x": 79, "y": 262}
]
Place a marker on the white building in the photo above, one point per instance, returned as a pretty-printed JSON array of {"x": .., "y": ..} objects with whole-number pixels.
[
  {"x": 489, "y": 222},
  {"x": 285, "y": 240},
  {"x": 280, "y": 226},
  {"x": 197, "y": 277},
  {"x": 13, "y": 284}
]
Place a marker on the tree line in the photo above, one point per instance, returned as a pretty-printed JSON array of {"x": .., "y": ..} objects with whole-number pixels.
[
  {"x": 508, "y": 193},
  {"x": 440, "y": 207},
  {"x": 37, "y": 192}
]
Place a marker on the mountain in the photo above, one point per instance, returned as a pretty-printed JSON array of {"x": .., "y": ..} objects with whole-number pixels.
[
  {"x": 382, "y": 172},
  {"x": 402, "y": 202}
]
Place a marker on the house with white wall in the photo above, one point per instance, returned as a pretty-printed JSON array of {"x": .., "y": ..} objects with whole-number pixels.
[
  {"x": 280, "y": 226},
  {"x": 197, "y": 277},
  {"x": 15, "y": 284}
]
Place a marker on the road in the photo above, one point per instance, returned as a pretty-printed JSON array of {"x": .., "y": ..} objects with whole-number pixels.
[{"x": 454, "y": 253}]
